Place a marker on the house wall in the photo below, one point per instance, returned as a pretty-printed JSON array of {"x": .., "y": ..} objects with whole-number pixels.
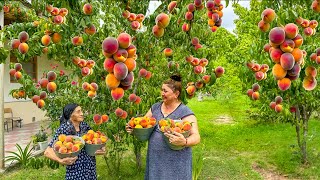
[{"x": 26, "y": 109}]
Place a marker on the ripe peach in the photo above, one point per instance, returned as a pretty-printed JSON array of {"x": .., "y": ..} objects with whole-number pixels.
[
  {"x": 58, "y": 19},
  {"x": 131, "y": 64},
  {"x": 157, "y": 31},
  {"x": 191, "y": 89},
  {"x": 311, "y": 71},
  {"x": 264, "y": 68},
  {"x": 56, "y": 38},
  {"x": 268, "y": 15},
  {"x": 43, "y": 95},
  {"x": 23, "y": 48},
  {"x": 295, "y": 71},
  {"x": 63, "y": 12},
  {"x": 131, "y": 51},
  {"x": 91, "y": 29},
  {"x": 111, "y": 81},
  {"x": 15, "y": 43},
  {"x": 313, "y": 24},
  {"x": 138, "y": 100},
  {"x": 120, "y": 70},
  {"x": 272, "y": 105},
  {"x": 51, "y": 87},
  {"x": 199, "y": 84},
  {"x": 23, "y": 36},
  {"x": 277, "y": 35},
  {"x": 298, "y": 40},
  {"x": 284, "y": 84},
  {"x": 219, "y": 71},
  {"x": 309, "y": 83},
  {"x": 109, "y": 64},
  {"x": 308, "y": 31},
  {"x": 44, "y": 82},
  {"x": 51, "y": 76},
  {"x": 278, "y": 71},
  {"x": 266, "y": 47},
  {"x": 162, "y": 20},
  {"x": 263, "y": 26},
  {"x": 167, "y": 52},
  {"x": 278, "y": 108},
  {"x": 188, "y": 16},
  {"x": 97, "y": 119},
  {"x": 110, "y": 45},
  {"x": 85, "y": 71},
  {"x": 140, "y": 18},
  {"x": 17, "y": 66},
  {"x": 124, "y": 40},
  {"x": 104, "y": 118},
  {"x": 142, "y": 72},
  {"x": 191, "y": 7},
  {"x": 12, "y": 72},
  {"x": 124, "y": 115},
  {"x": 197, "y": 3},
  {"x": 259, "y": 75},
  {"x": 126, "y": 14},
  {"x": 132, "y": 17},
  {"x": 132, "y": 97},
  {"x": 6, "y": 8},
  {"x": 128, "y": 80},
  {"x": 315, "y": 6},
  {"x": 198, "y": 46},
  {"x": 255, "y": 87},
  {"x": 313, "y": 56},
  {"x": 87, "y": 9},
  {"x": 148, "y": 76},
  {"x": 287, "y": 45},
  {"x": 135, "y": 25},
  {"x": 255, "y": 95},
  {"x": 92, "y": 94},
  {"x": 55, "y": 11},
  {"x": 77, "y": 40},
  {"x": 93, "y": 86},
  {"x": 172, "y": 5},
  {"x": 118, "y": 112},
  {"x": 186, "y": 27},
  {"x": 291, "y": 30},
  {"x": 117, "y": 93},
  {"x": 206, "y": 78},
  {"x": 198, "y": 69},
  {"x": 18, "y": 75},
  {"x": 63, "y": 150},
  {"x": 40, "y": 103},
  {"x": 287, "y": 61}
]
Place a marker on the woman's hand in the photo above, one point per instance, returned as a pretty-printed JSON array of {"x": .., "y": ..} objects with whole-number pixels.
[
  {"x": 101, "y": 151},
  {"x": 68, "y": 160},
  {"x": 129, "y": 128},
  {"x": 176, "y": 138}
]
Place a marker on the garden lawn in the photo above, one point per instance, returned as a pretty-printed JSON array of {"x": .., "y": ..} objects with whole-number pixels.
[{"x": 227, "y": 151}]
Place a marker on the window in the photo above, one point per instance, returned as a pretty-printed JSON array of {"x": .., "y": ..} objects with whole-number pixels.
[{"x": 29, "y": 67}]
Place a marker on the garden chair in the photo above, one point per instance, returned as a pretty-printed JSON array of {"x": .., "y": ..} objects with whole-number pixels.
[{"x": 10, "y": 117}]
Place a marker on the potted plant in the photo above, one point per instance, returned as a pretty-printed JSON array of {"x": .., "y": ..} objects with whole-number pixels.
[{"x": 41, "y": 138}]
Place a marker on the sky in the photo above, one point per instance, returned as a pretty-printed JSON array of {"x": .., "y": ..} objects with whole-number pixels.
[{"x": 228, "y": 14}]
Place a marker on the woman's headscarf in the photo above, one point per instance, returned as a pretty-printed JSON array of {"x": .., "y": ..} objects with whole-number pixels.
[{"x": 67, "y": 111}]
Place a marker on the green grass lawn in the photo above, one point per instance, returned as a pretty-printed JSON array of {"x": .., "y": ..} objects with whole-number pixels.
[{"x": 227, "y": 151}]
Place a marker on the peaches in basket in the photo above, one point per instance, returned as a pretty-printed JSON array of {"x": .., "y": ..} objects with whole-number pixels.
[
  {"x": 142, "y": 122},
  {"x": 169, "y": 125}
]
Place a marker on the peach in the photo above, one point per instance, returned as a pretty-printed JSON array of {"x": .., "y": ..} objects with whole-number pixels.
[
  {"x": 199, "y": 84},
  {"x": 278, "y": 99},
  {"x": 58, "y": 19},
  {"x": 12, "y": 72},
  {"x": 210, "y": 4},
  {"x": 198, "y": 46},
  {"x": 131, "y": 64},
  {"x": 259, "y": 75},
  {"x": 138, "y": 100},
  {"x": 284, "y": 84},
  {"x": 117, "y": 93},
  {"x": 23, "y": 48},
  {"x": 214, "y": 28},
  {"x": 142, "y": 72},
  {"x": 197, "y": 3},
  {"x": 148, "y": 76},
  {"x": 97, "y": 119},
  {"x": 140, "y": 18},
  {"x": 295, "y": 71},
  {"x": 255, "y": 87},
  {"x": 86, "y": 86},
  {"x": 188, "y": 16},
  {"x": 63, "y": 12},
  {"x": 43, "y": 95},
  {"x": 167, "y": 52},
  {"x": 45, "y": 50},
  {"x": 287, "y": 45},
  {"x": 268, "y": 15},
  {"x": 35, "y": 98},
  {"x": 57, "y": 146},
  {"x": 103, "y": 139},
  {"x": 18, "y": 75},
  {"x": 263, "y": 26},
  {"x": 51, "y": 87},
  {"x": 90, "y": 29},
  {"x": 6, "y": 8},
  {"x": 171, "y": 6},
  {"x": 41, "y": 103},
  {"x": 313, "y": 24},
  {"x": 186, "y": 127},
  {"x": 250, "y": 92},
  {"x": 272, "y": 105},
  {"x": 75, "y": 148},
  {"x": 308, "y": 31},
  {"x": 104, "y": 118},
  {"x": 90, "y": 63},
  {"x": 132, "y": 97},
  {"x": 77, "y": 40},
  {"x": 278, "y": 72},
  {"x": 311, "y": 71},
  {"x": 266, "y": 47},
  {"x": 132, "y": 17},
  {"x": 135, "y": 25},
  {"x": 298, "y": 40},
  {"x": 15, "y": 43},
  {"x": 297, "y": 54},
  {"x": 126, "y": 14},
  {"x": 278, "y": 108},
  {"x": 110, "y": 45},
  {"x": 162, "y": 20},
  {"x": 128, "y": 80},
  {"x": 287, "y": 61},
  {"x": 191, "y": 7},
  {"x": 315, "y": 6},
  {"x": 131, "y": 51},
  {"x": 309, "y": 83},
  {"x": 92, "y": 94},
  {"x": 111, "y": 81},
  {"x": 191, "y": 89},
  {"x": 305, "y": 23},
  {"x": 118, "y": 112},
  {"x": 124, "y": 40},
  {"x": 93, "y": 86},
  {"x": 219, "y": 71},
  {"x": 313, "y": 56},
  {"x": 318, "y": 51},
  {"x": 17, "y": 66},
  {"x": 87, "y": 9},
  {"x": 255, "y": 95},
  {"x": 120, "y": 70},
  {"x": 55, "y": 11},
  {"x": 124, "y": 115},
  {"x": 157, "y": 31},
  {"x": 23, "y": 36},
  {"x": 215, "y": 18},
  {"x": 277, "y": 35},
  {"x": 85, "y": 71},
  {"x": 44, "y": 82},
  {"x": 63, "y": 150},
  {"x": 185, "y": 27},
  {"x": 291, "y": 30},
  {"x": 109, "y": 64},
  {"x": 51, "y": 76},
  {"x": 56, "y": 38},
  {"x": 198, "y": 69},
  {"x": 121, "y": 55},
  {"x": 264, "y": 68}
]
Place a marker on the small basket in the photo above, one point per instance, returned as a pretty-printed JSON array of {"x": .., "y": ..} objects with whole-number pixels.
[
  {"x": 92, "y": 148},
  {"x": 73, "y": 154},
  {"x": 143, "y": 134}
]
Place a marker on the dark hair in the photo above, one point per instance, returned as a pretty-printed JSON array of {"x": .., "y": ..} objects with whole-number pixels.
[
  {"x": 174, "y": 83},
  {"x": 67, "y": 111}
]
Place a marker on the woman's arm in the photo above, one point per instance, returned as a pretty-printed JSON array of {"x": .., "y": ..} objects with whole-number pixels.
[{"x": 194, "y": 137}]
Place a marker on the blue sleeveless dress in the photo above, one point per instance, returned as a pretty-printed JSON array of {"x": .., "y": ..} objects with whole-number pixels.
[
  {"x": 162, "y": 162},
  {"x": 85, "y": 166}
]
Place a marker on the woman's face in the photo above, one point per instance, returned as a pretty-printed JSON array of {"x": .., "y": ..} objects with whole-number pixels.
[
  {"x": 168, "y": 94},
  {"x": 77, "y": 115}
]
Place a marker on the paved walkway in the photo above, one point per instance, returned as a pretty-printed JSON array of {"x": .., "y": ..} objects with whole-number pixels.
[{"x": 21, "y": 136}]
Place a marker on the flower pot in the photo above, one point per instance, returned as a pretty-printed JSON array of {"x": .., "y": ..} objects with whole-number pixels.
[
  {"x": 143, "y": 134},
  {"x": 43, "y": 145}
]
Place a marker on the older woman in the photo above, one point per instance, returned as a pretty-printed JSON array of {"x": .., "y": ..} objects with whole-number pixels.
[
  {"x": 163, "y": 162},
  {"x": 71, "y": 123}
]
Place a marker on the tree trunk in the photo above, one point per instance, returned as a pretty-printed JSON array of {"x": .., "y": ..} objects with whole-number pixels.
[{"x": 305, "y": 119}]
